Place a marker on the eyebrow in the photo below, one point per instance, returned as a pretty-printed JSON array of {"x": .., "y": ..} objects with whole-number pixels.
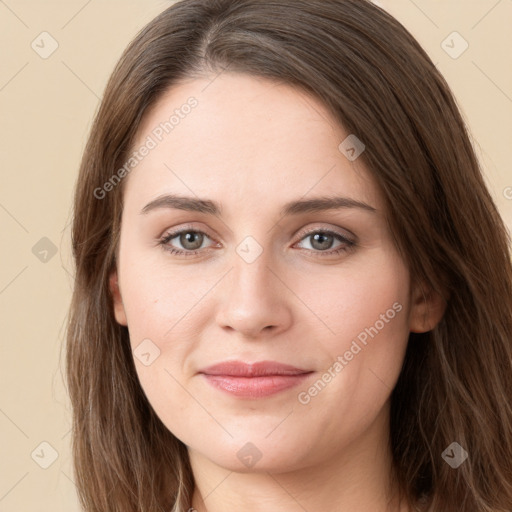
[{"x": 301, "y": 206}]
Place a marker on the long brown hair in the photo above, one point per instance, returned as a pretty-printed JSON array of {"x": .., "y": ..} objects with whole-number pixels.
[{"x": 456, "y": 381}]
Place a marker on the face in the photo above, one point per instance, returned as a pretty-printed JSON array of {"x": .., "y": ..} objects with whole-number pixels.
[{"x": 250, "y": 268}]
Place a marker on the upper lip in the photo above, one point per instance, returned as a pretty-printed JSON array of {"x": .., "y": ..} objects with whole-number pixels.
[{"x": 256, "y": 369}]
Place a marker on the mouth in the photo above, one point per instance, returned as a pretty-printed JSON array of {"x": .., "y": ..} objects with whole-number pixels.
[{"x": 254, "y": 380}]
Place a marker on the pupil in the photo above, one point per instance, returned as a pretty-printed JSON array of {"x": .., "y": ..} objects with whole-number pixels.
[
  {"x": 188, "y": 238},
  {"x": 322, "y": 238}
]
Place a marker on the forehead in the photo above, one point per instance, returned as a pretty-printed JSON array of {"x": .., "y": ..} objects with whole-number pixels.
[{"x": 243, "y": 139}]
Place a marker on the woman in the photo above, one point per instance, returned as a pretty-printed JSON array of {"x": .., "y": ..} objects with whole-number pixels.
[{"x": 293, "y": 289}]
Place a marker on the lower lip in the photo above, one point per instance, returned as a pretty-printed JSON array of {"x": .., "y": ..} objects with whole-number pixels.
[{"x": 255, "y": 387}]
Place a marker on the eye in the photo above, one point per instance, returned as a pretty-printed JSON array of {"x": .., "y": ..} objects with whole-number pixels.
[
  {"x": 321, "y": 240},
  {"x": 191, "y": 241}
]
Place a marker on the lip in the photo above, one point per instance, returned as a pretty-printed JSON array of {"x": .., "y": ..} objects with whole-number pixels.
[
  {"x": 256, "y": 369},
  {"x": 253, "y": 380}
]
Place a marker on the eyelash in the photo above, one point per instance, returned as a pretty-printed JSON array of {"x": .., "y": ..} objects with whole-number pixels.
[{"x": 348, "y": 244}]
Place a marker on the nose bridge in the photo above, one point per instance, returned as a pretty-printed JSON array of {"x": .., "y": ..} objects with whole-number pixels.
[
  {"x": 253, "y": 300},
  {"x": 252, "y": 276},
  {"x": 252, "y": 261}
]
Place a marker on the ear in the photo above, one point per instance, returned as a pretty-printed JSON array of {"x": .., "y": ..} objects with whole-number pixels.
[
  {"x": 427, "y": 308},
  {"x": 117, "y": 300}
]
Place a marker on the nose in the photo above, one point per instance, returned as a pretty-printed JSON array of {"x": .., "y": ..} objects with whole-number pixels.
[{"x": 255, "y": 300}]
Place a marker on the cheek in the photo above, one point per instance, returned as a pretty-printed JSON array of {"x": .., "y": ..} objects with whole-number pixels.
[
  {"x": 160, "y": 298},
  {"x": 365, "y": 331},
  {"x": 370, "y": 295},
  {"x": 163, "y": 306}
]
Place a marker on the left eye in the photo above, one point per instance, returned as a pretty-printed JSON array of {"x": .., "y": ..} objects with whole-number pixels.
[{"x": 324, "y": 240}]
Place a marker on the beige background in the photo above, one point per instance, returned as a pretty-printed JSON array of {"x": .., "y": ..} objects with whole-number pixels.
[{"x": 46, "y": 109}]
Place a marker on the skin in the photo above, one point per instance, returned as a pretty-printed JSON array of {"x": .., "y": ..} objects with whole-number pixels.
[{"x": 253, "y": 145}]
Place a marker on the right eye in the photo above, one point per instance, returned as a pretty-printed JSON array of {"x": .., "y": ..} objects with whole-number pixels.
[{"x": 191, "y": 241}]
